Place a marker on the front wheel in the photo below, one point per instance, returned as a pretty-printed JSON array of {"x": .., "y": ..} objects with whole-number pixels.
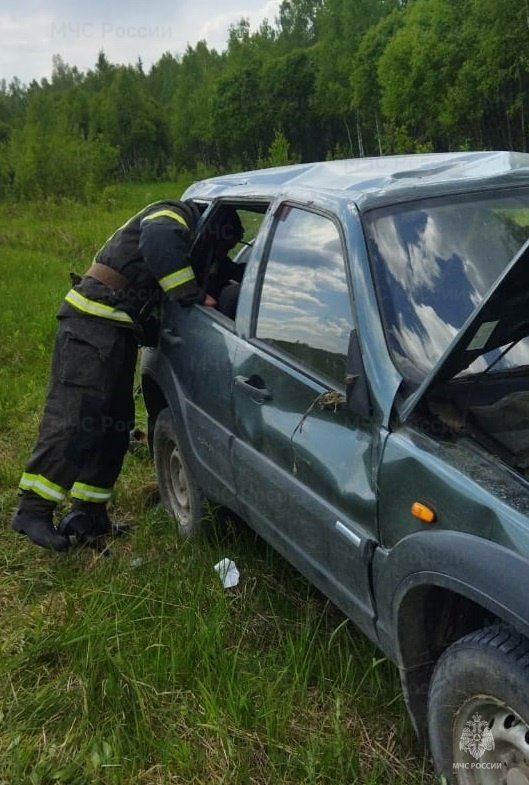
[
  {"x": 179, "y": 493},
  {"x": 478, "y": 709}
]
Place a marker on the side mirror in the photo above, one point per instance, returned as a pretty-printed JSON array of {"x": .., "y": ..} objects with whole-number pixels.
[{"x": 356, "y": 392}]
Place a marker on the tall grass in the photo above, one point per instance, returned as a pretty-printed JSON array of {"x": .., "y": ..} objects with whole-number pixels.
[{"x": 134, "y": 666}]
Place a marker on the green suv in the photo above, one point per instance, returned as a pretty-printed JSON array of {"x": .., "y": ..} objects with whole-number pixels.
[{"x": 366, "y": 411}]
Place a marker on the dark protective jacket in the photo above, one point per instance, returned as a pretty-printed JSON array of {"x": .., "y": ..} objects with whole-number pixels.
[
  {"x": 151, "y": 252},
  {"x": 89, "y": 409}
]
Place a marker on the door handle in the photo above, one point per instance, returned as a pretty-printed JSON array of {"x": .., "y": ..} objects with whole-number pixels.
[
  {"x": 169, "y": 335},
  {"x": 253, "y": 386}
]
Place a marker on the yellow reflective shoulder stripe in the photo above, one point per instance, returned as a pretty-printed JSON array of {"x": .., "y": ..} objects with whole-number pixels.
[
  {"x": 95, "y": 308},
  {"x": 42, "y": 486},
  {"x": 135, "y": 217},
  {"x": 90, "y": 493},
  {"x": 165, "y": 214},
  {"x": 179, "y": 278}
]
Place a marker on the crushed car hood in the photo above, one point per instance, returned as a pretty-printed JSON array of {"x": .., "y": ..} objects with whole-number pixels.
[{"x": 501, "y": 318}]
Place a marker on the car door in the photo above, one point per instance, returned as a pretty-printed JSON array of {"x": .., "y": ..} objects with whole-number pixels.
[
  {"x": 303, "y": 464},
  {"x": 199, "y": 345}
]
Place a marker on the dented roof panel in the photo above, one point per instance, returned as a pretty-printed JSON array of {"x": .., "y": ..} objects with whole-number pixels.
[{"x": 371, "y": 182}]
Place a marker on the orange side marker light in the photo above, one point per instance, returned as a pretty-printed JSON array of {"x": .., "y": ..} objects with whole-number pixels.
[{"x": 423, "y": 512}]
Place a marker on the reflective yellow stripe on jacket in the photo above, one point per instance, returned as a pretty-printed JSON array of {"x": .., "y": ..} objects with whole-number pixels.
[
  {"x": 165, "y": 214},
  {"x": 90, "y": 493},
  {"x": 179, "y": 278},
  {"x": 42, "y": 487},
  {"x": 94, "y": 308}
]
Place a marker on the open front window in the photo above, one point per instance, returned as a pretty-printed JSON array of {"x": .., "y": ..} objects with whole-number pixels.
[{"x": 222, "y": 250}]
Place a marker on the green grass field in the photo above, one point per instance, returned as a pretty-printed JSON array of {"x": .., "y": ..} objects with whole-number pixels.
[{"x": 137, "y": 668}]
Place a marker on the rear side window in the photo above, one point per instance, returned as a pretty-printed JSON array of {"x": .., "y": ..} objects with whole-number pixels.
[{"x": 305, "y": 308}]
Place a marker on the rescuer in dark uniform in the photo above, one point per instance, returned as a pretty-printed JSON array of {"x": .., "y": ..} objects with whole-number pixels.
[{"x": 89, "y": 409}]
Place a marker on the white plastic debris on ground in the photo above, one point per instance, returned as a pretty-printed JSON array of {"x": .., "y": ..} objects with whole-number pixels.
[{"x": 227, "y": 572}]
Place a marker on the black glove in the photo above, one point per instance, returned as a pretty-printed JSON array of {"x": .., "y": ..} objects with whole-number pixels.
[
  {"x": 150, "y": 332},
  {"x": 197, "y": 297}
]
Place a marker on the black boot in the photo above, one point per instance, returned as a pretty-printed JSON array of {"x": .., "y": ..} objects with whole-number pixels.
[
  {"x": 34, "y": 518},
  {"x": 89, "y": 521}
]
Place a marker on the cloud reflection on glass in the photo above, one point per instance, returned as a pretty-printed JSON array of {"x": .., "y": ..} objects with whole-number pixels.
[
  {"x": 305, "y": 308},
  {"x": 433, "y": 264}
]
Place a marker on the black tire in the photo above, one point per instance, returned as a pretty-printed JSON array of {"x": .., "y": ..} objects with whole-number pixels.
[
  {"x": 486, "y": 674},
  {"x": 179, "y": 493}
]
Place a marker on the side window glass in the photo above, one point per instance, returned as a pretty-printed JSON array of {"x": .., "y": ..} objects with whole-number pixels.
[{"x": 305, "y": 309}]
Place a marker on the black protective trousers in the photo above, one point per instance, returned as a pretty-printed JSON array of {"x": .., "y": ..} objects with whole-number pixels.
[{"x": 88, "y": 413}]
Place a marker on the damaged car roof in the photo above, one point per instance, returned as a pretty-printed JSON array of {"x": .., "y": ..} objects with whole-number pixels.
[{"x": 373, "y": 182}]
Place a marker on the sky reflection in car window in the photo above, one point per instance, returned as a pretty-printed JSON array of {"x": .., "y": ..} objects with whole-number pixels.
[
  {"x": 434, "y": 263},
  {"x": 305, "y": 308}
]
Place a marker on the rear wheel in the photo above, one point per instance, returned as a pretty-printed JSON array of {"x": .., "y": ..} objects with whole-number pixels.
[
  {"x": 478, "y": 709},
  {"x": 179, "y": 493}
]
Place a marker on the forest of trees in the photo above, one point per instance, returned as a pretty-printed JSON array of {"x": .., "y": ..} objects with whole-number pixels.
[{"x": 325, "y": 79}]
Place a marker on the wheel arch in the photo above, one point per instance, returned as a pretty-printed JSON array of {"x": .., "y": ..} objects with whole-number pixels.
[
  {"x": 430, "y": 618},
  {"x": 434, "y": 591}
]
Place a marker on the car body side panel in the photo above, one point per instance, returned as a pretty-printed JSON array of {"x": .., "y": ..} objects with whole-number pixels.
[
  {"x": 306, "y": 478},
  {"x": 306, "y": 534},
  {"x": 469, "y": 490},
  {"x": 216, "y": 486},
  {"x": 481, "y": 509},
  {"x": 199, "y": 349}
]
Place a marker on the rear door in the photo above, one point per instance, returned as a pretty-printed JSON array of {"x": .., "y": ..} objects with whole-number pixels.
[{"x": 303, "y": 465}]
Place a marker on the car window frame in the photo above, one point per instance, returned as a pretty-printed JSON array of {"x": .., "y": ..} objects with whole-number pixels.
[
  {"x": 267, "y": 348},
  {"x": 239, "y": 203}
]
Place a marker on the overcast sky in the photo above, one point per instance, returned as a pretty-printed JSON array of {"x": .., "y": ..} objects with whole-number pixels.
[{"x": 32, "y": 31}]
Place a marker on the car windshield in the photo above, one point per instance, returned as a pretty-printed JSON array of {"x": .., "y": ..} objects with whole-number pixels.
[{"x": 433, "y": 261}]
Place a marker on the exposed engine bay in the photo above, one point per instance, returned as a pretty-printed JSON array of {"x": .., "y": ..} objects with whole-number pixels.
[{"x": 494, "y": 411}]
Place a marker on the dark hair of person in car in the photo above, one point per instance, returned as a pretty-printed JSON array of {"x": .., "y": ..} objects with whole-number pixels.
[{"x": 225, "y": 226}]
